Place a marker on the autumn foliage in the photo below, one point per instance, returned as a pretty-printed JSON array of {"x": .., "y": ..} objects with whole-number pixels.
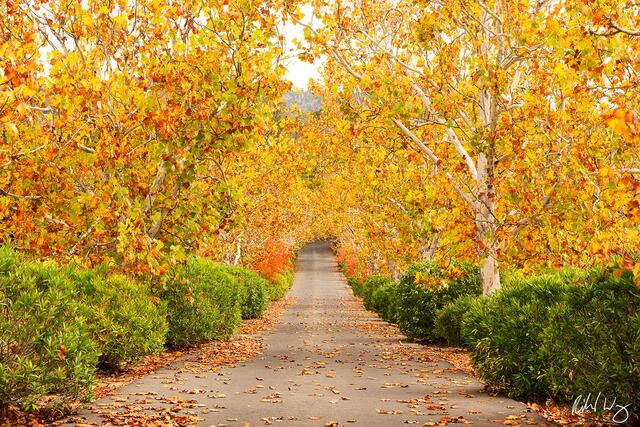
[
  {"x": 498, "y": 132},
  {"x": 273, "y": 260},
  {"x": 130, "y": 132}
]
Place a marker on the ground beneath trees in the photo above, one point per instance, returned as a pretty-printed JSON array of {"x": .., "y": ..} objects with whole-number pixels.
[{"x": 326, "y": 362}]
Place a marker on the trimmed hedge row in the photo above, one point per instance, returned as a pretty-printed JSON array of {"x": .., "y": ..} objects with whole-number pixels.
[
  {"x": 280, "y": 285},
  {"x": 125, "y": 320},
  {"x": 59, "y": 325},
  {"x": 253, "y": 292},
  {"x": 41, "y": 351},
  {"x": 383, "y": 301},
  {"x": 370, "y": 286},
  {"x": 422, "y": 291},
  {"x": 203, "y": 302},
  {"x": 559, "y": 335},
  {"x": 426, "y": 288},
  {"x": 448, "y": 321}
]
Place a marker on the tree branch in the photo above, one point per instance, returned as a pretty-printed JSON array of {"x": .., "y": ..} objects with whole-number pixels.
[{"x": 427, "y": 151}]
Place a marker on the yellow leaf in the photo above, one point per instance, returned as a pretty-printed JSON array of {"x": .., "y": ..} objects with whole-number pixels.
[{"x": 13, "y": 128}]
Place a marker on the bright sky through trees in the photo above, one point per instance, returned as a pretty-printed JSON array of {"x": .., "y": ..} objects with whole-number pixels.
[{"x": 299, "y": 72}]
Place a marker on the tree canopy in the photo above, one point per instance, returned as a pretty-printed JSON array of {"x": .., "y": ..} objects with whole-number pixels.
[{"x": 502, "y": 132}]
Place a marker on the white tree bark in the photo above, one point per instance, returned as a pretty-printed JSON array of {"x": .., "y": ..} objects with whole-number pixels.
[{"x": 486, "y": 226}]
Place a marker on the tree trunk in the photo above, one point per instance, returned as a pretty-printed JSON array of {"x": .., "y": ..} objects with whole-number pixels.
[
  {"x": 431, "y": 250},
  {"x": 236, "y": 259},
  {"x": 490, "y": 275},
  {"x": 486, "y": 227},
  {"x": 395, "y": 274}
]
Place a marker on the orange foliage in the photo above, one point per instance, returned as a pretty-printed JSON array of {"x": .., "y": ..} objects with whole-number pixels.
[
  {"x": 275, "y": 259},
  {"x": 350, "y": 262}
]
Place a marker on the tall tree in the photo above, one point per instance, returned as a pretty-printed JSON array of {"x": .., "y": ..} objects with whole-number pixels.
[
  {"x": 499, "y": 96},
  {"x": 116, "y": 116}
]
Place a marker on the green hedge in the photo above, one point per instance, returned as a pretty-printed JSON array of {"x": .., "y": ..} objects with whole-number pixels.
[
  {"x": 125, "y": 319},
  {"x": 425, "y": 288},
  {"x": 253, "y": 288},
  {"x": 280, "y": 285},
  {"x": 448, "y": 322},
  {"x": 560, "y": 335},
  {"x": 58, "y": 325},
  {"x": 378, "y": 294},
  {"x": 383, "y": 301},
  {"x": 45, "y": 342},
  {"x": 504, "y": 332},
  {"x": 355, "y": 286},
  {"x": 203, "y": 302},
  {"x": 369, "y": 286},
  {"x": 601, "y": 320}
]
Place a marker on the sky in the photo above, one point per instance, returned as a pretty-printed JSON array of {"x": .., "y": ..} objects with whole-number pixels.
[{"x": 299, "y": 72}]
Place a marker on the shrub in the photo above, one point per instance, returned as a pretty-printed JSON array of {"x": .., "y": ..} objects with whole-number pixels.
[
  {"x": 383, "y": 301},
  {"x": 355, "y": 284},
  {"x": 276, "y": 259},
  {"x": 369, "y": 286},
  {"x": 8, "y": 259},
  {"x": 448, "y": 322},
  {"x": 425, "y": 288},
  {"x": 45, "y": 345},
  {"x": 601, "y": 321},
  {"x": 560, "y": 335},
  {"x": 504, "y": 331},
  {"x": 203, "y": 303},
  {"x": 125, "y": 319},
  {"x": 280, "y": 285},
  {"x": 254, "y": 296}
]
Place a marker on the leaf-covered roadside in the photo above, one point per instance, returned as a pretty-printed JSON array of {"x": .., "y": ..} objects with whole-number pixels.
[
  {"x": 209, "y": 356},
  {"x": 541, "y": 339}
]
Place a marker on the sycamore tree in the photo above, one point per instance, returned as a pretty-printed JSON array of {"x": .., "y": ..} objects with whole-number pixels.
[
  {"x": 120, "y": 120},
  {"x": 613, "y": 61},
  {"x": 268, "y": 204},
  {"x": 376, "y": 193},
  {"x": 134, "y": 132},
  {"x": 508, "y": 101}
]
